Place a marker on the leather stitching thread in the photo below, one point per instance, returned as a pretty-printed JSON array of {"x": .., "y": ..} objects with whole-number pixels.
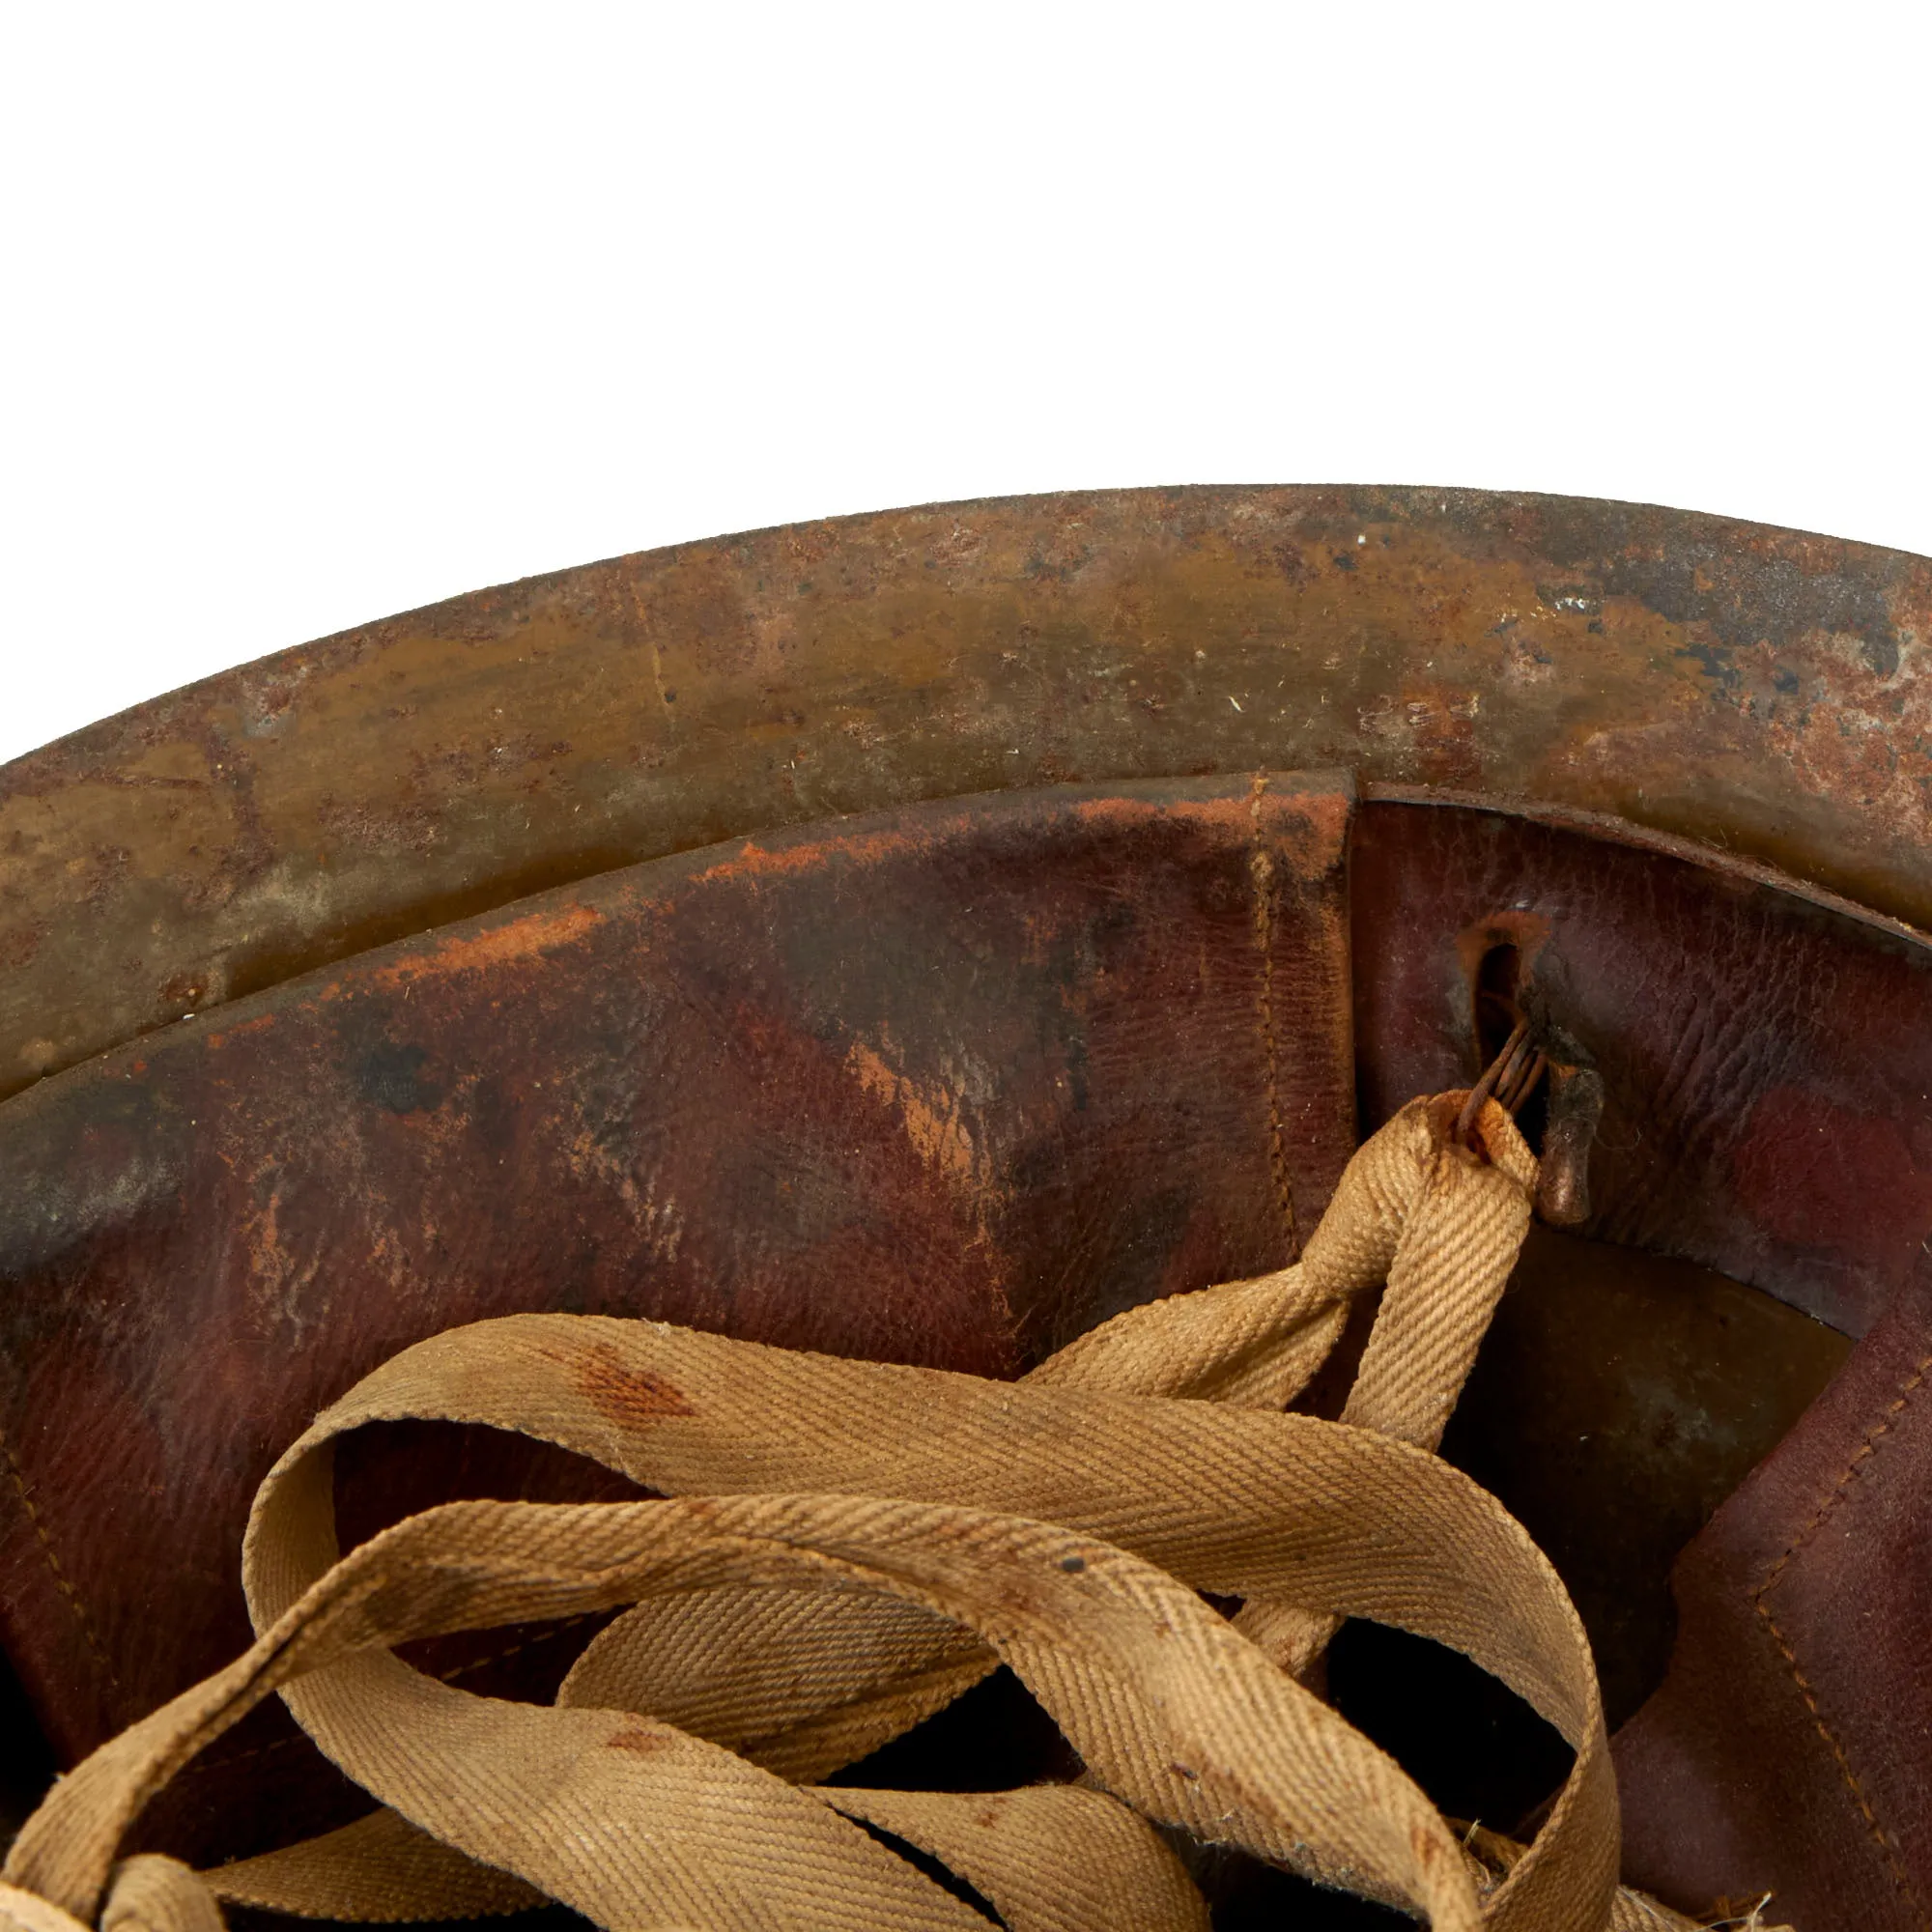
[
  {"x": 203, "y": 1765},
  {"x": 564, "y": 1628},
  {"x": 1866, "y": 1449},
  {"x": 60, "y": 1576},
  {"x": 1261, "y": 869}
]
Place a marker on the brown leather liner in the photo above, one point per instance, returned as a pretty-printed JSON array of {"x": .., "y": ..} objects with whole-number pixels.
[{"x": 948, "y": 1087}]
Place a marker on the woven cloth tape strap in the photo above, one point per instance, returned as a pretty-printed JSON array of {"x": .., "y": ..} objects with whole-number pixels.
[{"x": 850, "y": 1544}]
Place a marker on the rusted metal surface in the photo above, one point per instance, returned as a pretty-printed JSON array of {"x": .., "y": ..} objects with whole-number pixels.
[{"x": 1756, "y": 689}]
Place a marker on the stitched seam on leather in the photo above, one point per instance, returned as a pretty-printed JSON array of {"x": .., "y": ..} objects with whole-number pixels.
[
  {"x": 451, "y": 1676},
  {"x": 1866, "y": 1449},
  {"x": 476, "y": 1663},
  {"x": 55, "y": 1568},
  {"x": 1261, "y": 869},
  {"x": 200, "y": 1766}
]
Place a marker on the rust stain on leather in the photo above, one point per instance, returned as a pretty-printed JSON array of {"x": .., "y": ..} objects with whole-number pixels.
[
  {"x": 495, "y": 945},
  {"x": 1312, "y": 827},
  {"x": 240, "y": 1030},
  {"x": 932, "y": 1120},
  {"x": 758, "y": 859},
  {"x": 1225, "y": 809}
]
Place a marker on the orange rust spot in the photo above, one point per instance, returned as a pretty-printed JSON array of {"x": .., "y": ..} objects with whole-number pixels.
[
  {"x": 1230, "y": 811},
  {"x": 526, "y": 938},
  {"x": 759, "y": 861},
  {"x": 1526, "y": 931},
  {"x": 261, "y": 1023},
  {"x": 629, "y": 1397},
  {"x": 933, "y": 1123},
  {"x": 1311, "y": 826}
]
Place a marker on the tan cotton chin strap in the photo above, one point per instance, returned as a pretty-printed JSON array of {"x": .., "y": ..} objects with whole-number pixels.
[{"x": 848, "y": 1546}]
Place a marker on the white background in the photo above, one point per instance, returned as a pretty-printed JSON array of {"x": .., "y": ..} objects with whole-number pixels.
[{"x": 314, "y": 313}]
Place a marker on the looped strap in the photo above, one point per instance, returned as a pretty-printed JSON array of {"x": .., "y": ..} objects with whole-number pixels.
[{"x": 843, "y": 1548}]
